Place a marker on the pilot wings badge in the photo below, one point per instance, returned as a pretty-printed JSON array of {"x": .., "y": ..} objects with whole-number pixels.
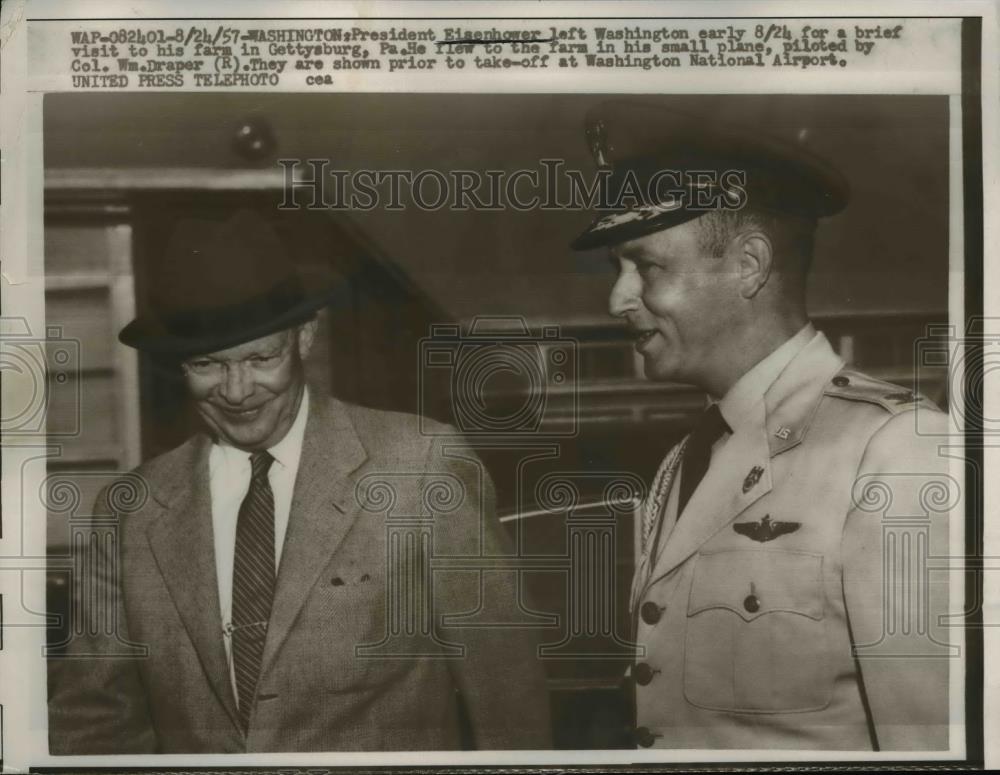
[{"x": 765, "y": 530}]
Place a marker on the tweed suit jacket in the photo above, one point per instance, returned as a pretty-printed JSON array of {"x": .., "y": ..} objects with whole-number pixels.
[
  {"x": 371, "y": 645},
  {"x": 799, "y": 601}
]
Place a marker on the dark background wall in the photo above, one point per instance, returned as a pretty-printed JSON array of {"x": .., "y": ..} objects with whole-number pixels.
[{"x": 886, "y": 252}]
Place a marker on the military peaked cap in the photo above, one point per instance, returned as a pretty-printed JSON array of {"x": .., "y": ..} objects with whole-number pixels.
[{"x": 662, "y": 167}]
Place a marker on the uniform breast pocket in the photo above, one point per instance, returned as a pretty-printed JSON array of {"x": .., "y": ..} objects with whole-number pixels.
[{"x": 756, "y": 638}]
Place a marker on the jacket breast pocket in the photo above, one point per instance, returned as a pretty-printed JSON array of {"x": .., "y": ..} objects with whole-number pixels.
[
  {"x": 344, "y": 613},
  {"x": 756, "y": 639}
]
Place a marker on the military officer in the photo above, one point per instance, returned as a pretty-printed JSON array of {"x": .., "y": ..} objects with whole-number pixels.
[{"x": 772, "y": 600}]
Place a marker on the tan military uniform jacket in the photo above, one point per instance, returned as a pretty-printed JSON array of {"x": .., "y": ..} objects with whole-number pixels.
[{"x": 812, "y": 530}]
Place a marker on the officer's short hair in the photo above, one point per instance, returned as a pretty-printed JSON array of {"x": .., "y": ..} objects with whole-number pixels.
[{"x": 793, "y": 236}]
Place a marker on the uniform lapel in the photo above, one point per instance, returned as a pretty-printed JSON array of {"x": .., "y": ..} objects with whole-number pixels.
[
  {"x": 740, "y": 473},
  {"x": 183, "y": 544},
  {"x": 647, "y": 517},
  {"x": 323, "y": 510}
]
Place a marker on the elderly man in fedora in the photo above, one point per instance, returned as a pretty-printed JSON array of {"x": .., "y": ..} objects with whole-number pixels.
[
  {"x": 255, "y": 580},
  {"x": 781, "y": 597}
]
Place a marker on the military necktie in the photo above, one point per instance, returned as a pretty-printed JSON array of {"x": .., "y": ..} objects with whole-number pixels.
[
  {"x": 253, "y": 581},
  {"x": 698, "y": 452}
]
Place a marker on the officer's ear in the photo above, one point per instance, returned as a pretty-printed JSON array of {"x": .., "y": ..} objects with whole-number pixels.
[
  {"x": 306, "y": 334},
  {"x": 755, "y": 257}
]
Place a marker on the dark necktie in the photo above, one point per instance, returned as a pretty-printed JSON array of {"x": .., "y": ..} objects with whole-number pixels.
[
  {"x": 698, "y": 452},
  {"x": 253, "y": 581}
]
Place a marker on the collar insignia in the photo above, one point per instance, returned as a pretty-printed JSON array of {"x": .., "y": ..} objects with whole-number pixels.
[{"x": 752, "y": 478}]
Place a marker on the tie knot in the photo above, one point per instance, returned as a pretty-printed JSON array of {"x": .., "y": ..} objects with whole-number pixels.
[
  {"x": 260, "y": 464},
  {"x": 711, "y": 426}
]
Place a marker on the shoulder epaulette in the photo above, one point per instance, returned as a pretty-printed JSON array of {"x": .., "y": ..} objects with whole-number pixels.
[{"x": 855, "y": 386}]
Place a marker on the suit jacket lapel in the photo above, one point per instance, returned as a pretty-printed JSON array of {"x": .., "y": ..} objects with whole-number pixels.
[
  {"x": 183, "y": 544},
  {"x": 323, "y": 510}
]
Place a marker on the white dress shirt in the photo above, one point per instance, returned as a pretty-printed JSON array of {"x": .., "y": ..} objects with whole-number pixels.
[{"x": 229, "y": 481}]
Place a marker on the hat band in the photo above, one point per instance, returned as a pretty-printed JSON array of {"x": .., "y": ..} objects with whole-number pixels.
[{"x": 245, "y": 315}]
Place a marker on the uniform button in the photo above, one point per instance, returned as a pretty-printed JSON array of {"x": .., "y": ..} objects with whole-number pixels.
[
  {"x": 751, "y": 603},
  {"x": 651, "y": 612},
  {"x": 840, "y": 381},
  {"x": 642, "y": 673},
  {"x": 644, "y": 737}
]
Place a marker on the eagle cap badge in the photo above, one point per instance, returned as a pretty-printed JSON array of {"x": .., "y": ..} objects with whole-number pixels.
[{"x": 597, "y": 139}]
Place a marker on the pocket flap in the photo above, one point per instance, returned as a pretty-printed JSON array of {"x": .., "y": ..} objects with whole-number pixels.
[{"x": 776, "y": 580}]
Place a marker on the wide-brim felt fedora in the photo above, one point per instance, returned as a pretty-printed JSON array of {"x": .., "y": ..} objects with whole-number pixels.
[
  {"x": 647, "y": 149},
  {"x": 221, "y": 283}
]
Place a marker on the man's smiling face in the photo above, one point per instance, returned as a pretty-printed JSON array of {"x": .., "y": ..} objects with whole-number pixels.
[
  {"x": 679, "y": 302},
  {"x": 249, "y": 394}
]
